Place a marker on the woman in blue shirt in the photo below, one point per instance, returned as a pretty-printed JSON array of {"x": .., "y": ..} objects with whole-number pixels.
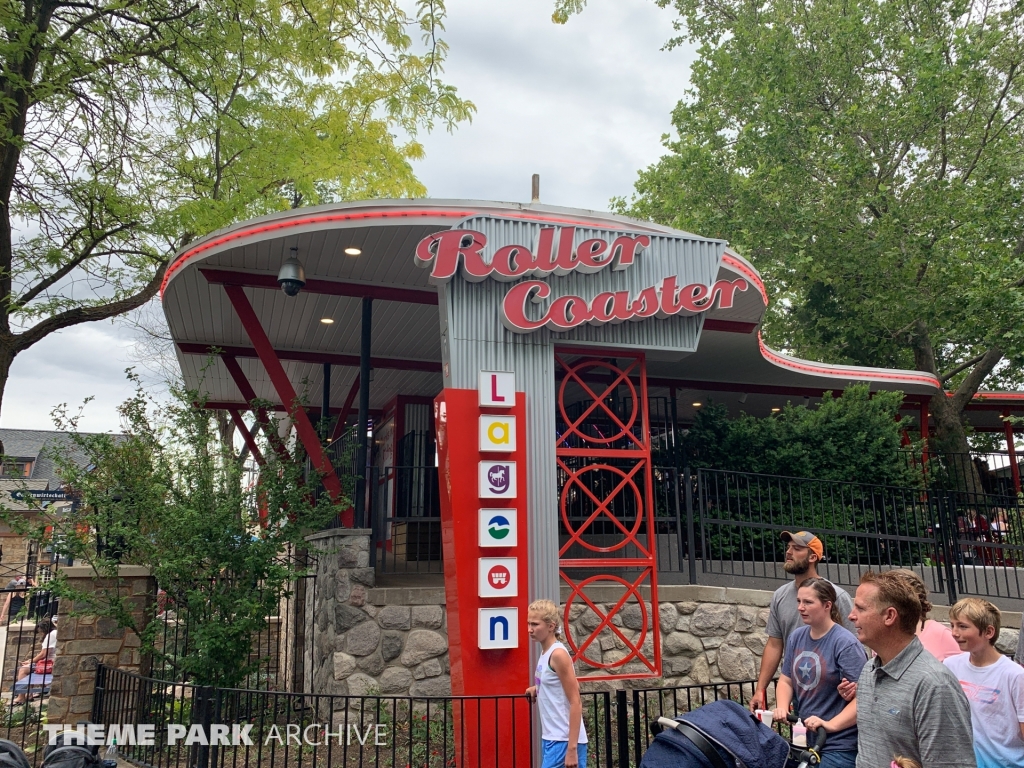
[{"x": 818, "y": 656}]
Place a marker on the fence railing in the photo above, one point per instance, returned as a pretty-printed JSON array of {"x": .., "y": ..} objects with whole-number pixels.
[
  {"x": 289, "y": 730},
  {"x": 405, "y": 520},
  {"x": 275, "y": 656},
  {"x": 960, "y": 543},
  {"x": 995, "y": 473}
]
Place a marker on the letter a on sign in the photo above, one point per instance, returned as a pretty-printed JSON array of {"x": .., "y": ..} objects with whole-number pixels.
[
  {"x": 498, "y": 628},
  {"x": 497, "y": 433},
  {"x": 497, "y": 389}
]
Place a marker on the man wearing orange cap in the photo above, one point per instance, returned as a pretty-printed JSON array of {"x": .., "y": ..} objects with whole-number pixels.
[{"x": 803, "y": 552}]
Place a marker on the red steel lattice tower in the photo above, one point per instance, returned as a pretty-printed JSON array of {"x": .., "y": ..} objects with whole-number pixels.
[{"x": 603, "y": 450}]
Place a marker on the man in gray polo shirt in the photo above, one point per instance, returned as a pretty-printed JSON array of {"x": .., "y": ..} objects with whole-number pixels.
[
  {"x": 908, "y": 703},
  {"x": 804, "y": 551}
]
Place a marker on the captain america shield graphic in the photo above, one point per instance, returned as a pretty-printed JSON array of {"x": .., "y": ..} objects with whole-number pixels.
[{"x": 807, "y": 670}]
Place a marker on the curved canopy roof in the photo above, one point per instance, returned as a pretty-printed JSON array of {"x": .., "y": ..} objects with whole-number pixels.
[{"x": 405, "y": 340}]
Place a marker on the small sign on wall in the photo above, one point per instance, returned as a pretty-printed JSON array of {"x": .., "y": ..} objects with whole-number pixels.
[
  {"x": 497, "y": 480},
  {"x": 497, "y": 389},
  {"x": 498, "y": 577},
  {"x": 498, "y": 628},
  {"x": 497, "y": 528},
  {"x": 497, "y": 434}
]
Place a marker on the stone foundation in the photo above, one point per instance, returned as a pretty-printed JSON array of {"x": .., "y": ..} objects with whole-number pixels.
[
  {"x": 369, "y": 641},
  {"x": 394, "y": 642}
]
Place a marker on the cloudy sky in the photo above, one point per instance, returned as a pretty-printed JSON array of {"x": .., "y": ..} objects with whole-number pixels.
[{"x": 584, "y": 105}]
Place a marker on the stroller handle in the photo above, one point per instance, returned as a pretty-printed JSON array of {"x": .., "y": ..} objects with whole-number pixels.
[{"x": 811, "y": 755}]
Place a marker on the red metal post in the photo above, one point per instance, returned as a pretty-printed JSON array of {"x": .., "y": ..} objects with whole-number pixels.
[
  {"x": 349, "y": 399},
  {"x": 1011, "y": 449},
  {"x": 262, "y": 417},
  {"x": 303, "y": 426},
  {"x": 247, "y": 436}
]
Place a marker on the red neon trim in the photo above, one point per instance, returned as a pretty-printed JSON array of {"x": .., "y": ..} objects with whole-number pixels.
[
  {"x": 291, "y": 223},
  {"x": 1014, "y": 396},
  {"x": 748, "y": 273},
  {"x": 179, "y": 262},
  {"x": 805, "y": 367}
]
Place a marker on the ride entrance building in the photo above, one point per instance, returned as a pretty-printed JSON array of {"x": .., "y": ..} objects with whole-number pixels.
[{"x": 525, "y": 360}]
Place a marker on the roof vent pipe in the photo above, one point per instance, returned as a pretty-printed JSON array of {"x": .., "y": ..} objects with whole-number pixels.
[{"x": 535, "y": 193}]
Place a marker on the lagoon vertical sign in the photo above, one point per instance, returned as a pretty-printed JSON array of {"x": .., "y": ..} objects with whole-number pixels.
[{"x": 482, "y": 459}]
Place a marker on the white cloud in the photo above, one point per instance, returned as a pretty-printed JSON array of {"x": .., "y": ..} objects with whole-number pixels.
[
  {"x": 584, "y": 104},
  {"x": 86, "y": 360}
]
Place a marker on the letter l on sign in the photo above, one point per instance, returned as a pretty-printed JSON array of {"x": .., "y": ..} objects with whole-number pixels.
[{"x": 497, "y": 389}]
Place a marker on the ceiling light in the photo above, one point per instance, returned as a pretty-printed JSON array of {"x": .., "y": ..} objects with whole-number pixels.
[
  {"x": 353, "y": 251},
  {"x": 326, "y": 320},
  {"x": 776, "y": 410},
  {"x": 696, "y": 405}
]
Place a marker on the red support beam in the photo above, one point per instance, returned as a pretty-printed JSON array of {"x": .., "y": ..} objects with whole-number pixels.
[
  {"x": 303, "y": 426},
  {"x": 227, "y": 278},
  {"x": 299, "y": 356},
  {"x": 1011, "y": 449},
  {"x": 262, "y": 417},
  {"x": 247, "y": 436},
  {"x": 753, "y": 389},
  {"x": 340, "y": 426}
]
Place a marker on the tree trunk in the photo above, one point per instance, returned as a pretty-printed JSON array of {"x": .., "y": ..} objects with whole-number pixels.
[
  {"x": 947, "y": 411},
  {"x": 6, "y": 358}
]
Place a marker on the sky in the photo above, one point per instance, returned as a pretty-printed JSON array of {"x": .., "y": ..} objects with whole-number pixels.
[{"x": 585, "y": 105}]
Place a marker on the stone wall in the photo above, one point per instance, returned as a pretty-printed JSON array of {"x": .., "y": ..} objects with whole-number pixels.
[
  {"x": 368, "y": 640},
  {"x": 394, "y": 641},
  {"x": 85, "y": 641},
  {"x": 708, "y": 634}
]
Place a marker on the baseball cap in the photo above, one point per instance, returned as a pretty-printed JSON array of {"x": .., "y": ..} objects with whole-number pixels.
[{"x": 805, "y": 539}]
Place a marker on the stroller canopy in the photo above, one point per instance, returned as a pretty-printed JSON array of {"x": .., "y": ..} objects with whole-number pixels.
[{"x": 741, "y": 739}]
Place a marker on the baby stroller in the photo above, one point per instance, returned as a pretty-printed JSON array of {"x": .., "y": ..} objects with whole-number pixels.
[{"x": 723, "y": 734}]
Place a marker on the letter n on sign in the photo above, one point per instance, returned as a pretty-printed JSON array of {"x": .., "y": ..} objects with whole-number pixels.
[{"x": 499, "y": 628}]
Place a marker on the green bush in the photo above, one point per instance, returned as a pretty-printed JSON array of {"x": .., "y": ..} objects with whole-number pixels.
[{"x": 854, "y": 438}]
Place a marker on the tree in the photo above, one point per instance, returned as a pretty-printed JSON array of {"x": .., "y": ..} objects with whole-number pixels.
[
  {"x": 868, "y": 157},
  {"x": 128, "y": 129},
  {"x": 169, "y": 494}
]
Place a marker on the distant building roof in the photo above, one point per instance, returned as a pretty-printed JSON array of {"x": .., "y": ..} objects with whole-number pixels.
[{"x": 36, "y": 446}]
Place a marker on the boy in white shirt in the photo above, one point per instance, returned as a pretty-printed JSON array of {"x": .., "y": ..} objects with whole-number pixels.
[{"x": 993, "y": 684}]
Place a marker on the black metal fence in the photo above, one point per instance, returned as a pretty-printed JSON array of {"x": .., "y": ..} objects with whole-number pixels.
[
  {"x": 276, "y": 654},
  {"x": 960, "y": 543},
  {"x": 298, "y": 730},
  {"x": 994, "y": 473},
  {"x": 28, "y": 650},
  {"x": 405, "y": 519}
]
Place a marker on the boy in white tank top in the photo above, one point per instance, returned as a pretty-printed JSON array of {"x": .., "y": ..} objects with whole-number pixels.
[{"x": 556, "y": 692}]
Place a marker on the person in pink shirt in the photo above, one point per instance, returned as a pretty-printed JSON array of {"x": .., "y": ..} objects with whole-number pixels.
[{"x": 936, "y": 638}]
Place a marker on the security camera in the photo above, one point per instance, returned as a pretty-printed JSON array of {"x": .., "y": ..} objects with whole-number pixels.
[{"x": 291, "y": 276}]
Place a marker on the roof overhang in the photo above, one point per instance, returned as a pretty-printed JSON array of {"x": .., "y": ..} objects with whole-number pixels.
[{"x": 406, "y": 343}]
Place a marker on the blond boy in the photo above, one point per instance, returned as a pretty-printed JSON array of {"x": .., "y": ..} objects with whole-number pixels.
[{"x": 993, "y": 684}]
